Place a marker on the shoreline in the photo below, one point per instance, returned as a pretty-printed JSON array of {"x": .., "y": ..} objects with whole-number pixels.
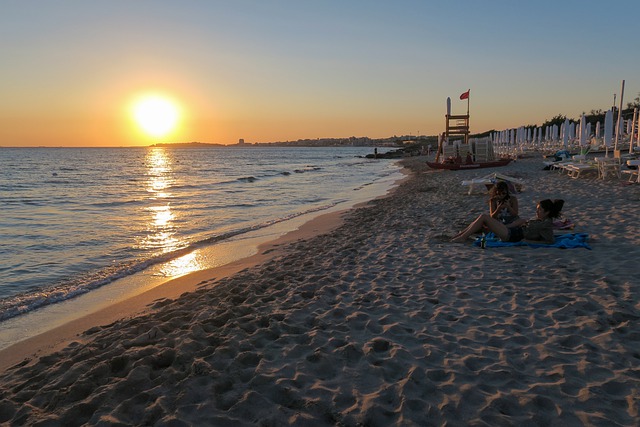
[
  {"x": 60, "y": 336},
  {"x": 378, "y": 321},
  {"x": 44, "y": 319}
]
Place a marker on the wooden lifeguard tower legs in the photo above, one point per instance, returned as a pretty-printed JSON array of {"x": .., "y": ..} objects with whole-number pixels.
[{"x": 457, "y": 125}]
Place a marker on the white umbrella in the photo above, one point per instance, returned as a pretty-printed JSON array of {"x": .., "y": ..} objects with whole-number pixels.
[
  {"x": 572, "y": 131},
  {"x": 608, "y": 128},
  {"x": 597, "y": 130},
  {"x": 565, "y": 134},
  {"x": 632, "y": 131},
  {"x": 583, "y": 130},
  {"x": 619, "y": 126}
]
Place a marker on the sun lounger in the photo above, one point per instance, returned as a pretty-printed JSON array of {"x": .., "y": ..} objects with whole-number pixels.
[
  {"x": 634, "y": 174},
  {"x": 574, "y": 170}
]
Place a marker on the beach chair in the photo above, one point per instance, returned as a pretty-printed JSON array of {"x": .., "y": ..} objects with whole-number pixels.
[
  {"x": 577, "y": 169},
  {"x": 580, "y": 165},
  {"x": 609, "y": 167},
  {"x": 634, "y": 174}
]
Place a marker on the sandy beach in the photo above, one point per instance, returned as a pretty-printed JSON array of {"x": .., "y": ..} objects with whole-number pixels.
[{"x": 375, "y": 319}]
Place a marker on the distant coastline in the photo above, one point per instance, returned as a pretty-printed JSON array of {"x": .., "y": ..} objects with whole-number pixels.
[{"x": 394, "y": 141}]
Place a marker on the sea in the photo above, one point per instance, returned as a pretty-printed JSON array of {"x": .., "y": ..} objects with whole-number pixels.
[{"x": 94, "y": 225}]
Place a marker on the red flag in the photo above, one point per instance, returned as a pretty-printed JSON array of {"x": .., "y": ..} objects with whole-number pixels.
[{"x": 465, "y": 95}]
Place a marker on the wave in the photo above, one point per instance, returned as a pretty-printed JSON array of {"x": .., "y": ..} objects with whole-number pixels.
[
  {"x": 20, "y": 304},
  {"x": 247, "y": 179},
  {"x": 115, "y": 203}
]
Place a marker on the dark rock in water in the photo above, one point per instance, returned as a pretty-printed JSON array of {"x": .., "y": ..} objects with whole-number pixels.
[{"x": 393, "y": 154}]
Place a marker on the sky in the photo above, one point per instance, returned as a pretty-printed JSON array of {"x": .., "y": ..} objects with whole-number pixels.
[{"x": 281, "y": 70}]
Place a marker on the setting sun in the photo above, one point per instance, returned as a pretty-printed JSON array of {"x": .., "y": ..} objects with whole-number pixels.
[{"x": 156, "y": 115}]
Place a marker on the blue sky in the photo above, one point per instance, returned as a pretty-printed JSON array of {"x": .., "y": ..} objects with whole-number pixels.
[{"x": 283, "y": 70}]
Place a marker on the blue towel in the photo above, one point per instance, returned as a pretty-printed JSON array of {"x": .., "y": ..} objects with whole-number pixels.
[{"x": 563, "y": 241}]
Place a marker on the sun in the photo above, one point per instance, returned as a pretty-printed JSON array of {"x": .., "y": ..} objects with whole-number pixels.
[{"x": 156, "y": 115}]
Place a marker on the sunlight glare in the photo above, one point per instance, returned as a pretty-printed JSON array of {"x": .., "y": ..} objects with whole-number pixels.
[
  {"x": 156, "y": 115},
  {"x": 183, "y": 265}
]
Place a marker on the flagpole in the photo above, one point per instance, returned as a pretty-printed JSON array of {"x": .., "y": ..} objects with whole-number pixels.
[{"x": 468, "y": 100}]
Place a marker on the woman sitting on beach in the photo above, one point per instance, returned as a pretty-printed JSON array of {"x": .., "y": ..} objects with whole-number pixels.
[
  {"x": 538, "y": 230},
  {"x": 502, "y": 205}
]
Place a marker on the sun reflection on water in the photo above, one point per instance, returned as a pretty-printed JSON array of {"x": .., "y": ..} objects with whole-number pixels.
[
  {"x": 161, "y": 220},
  {"x": 183, "y": 265}
]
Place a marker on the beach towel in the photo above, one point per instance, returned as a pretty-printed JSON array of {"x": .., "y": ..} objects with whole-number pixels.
[{"x": 562, "y": 241}]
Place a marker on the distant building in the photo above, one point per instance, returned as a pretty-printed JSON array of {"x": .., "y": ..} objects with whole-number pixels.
[{"x": 241, "y": 141}]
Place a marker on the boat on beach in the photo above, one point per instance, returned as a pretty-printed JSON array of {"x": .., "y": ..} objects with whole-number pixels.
[{"x": 458, "y": 165}]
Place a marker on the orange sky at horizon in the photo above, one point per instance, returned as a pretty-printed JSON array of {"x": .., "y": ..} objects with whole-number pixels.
[{"x": 283, "y": 71}]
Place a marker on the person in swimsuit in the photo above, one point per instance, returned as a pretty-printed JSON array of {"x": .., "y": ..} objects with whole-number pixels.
[
  {"x": 502, "y": 205},
  {"x": 538, "y": 230}
]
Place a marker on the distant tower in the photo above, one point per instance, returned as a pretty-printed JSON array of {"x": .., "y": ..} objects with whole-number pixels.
[{"x": 241, "y": 141}]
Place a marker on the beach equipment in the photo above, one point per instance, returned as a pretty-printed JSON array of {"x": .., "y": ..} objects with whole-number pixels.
[
  {"x": 633, "y": 129},
  {"x": 634, "y": 174},
  {"x": 490, "y": 180},
  {"x": 620, "y": 119},
  {"x": 609, "y": 166},
  {"x": 565, "y": 133},
  {"x": 608, "y": 130},
  {"x": 579, "y": 166},
  {"x": 583, "y": 131}
]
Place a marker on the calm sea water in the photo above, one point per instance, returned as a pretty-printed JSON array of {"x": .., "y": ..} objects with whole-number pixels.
[{"x": 75, "y": 219}]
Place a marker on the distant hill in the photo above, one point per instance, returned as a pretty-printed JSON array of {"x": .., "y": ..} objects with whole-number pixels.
[{"x": 188, "y": 144}]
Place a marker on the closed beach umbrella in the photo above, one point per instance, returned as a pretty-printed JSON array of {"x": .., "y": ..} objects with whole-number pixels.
[
  {"x": 572, "y": 131},
  {"x": 583, "y": 131},
  {"x": 597, "y": 130},
  {"x": 608, "y": 128},
  {"x": 565, "y": 133},
  {"x": 632, "y": 130}
]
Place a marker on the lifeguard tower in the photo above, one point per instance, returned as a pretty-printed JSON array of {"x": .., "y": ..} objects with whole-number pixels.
[{"x": 456, "y": 125}]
